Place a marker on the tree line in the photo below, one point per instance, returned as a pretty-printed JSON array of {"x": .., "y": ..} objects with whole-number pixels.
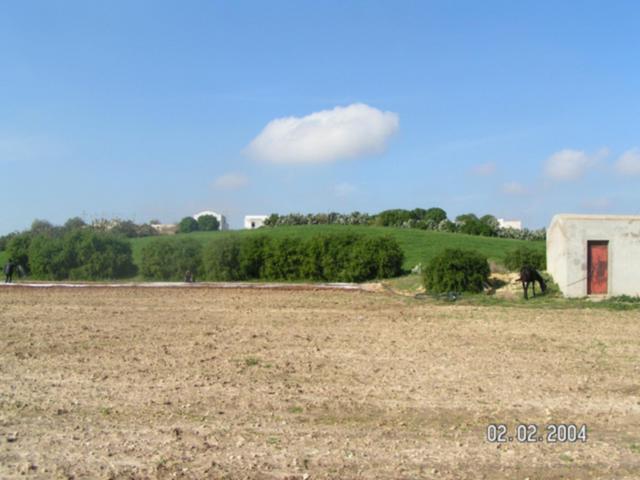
[{"x": 425, "y": 219}]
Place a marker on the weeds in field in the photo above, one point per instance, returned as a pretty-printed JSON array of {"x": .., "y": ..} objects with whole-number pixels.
[
  {"x": 565, "y": 458},
  {"x": 251, "y": 361},
  {"x": 296, "y": 409},
  {"x": 634, "y": 447}
]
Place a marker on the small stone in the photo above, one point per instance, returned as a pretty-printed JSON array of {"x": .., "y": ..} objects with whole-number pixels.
[{"x": 12, "y": 437}]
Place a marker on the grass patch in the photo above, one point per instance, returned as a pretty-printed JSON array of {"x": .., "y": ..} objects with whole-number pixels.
[{"x": 251, "y": 361}]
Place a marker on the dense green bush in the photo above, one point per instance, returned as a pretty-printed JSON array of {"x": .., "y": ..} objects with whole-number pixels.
[
  {"x": 208, "y": 223},
  {"x": 456, "y": 270},
  {"x": 221, "y": 260},
  {"x": 283, "y": 259},
  {"x": 81, "y": 254},
  {"x": 48, "y": 258},
  {"x": 18, "y": 249},
  {"x": 344, "y": 257},
  {"x": 525, "y": 256},
  {"x": 188, "y": 225},
  {"x": 170, "y": 258},
  {"x": 252, "y": 256},
  {"x": 99, "y": 256}
]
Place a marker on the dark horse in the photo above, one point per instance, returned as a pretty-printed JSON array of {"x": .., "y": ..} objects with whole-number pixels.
[{"x": 529, "y": 276}]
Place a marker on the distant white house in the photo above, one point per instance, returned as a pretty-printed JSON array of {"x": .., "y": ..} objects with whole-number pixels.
[
  {"x": 515, "y": 224},
  {"x": 254, "y": 221},
  {"x": 221, "y": 218},
  {"x": 165, "y": 228}
]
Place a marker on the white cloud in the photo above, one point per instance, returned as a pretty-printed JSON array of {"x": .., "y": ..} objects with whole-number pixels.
[
  {"x": 514, "y": 188},
  {"x": 629, "y": 162},
  {"x": 344, "y": 189},
  {"x": 484, "y": 169},
  {"x": 326, "y": 136},
  {"x": 569, "y": 164},
  {"x": 231, "y": 181}
]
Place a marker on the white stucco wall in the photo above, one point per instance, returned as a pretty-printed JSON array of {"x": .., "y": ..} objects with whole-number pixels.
[
  {"x": 515, "y": 224},
  {"x": 257, "y": 220},
  {"x": 567, "y": 238}
]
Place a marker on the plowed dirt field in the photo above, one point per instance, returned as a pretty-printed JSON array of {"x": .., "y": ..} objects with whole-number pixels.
[{"x": 212, "y": 383}]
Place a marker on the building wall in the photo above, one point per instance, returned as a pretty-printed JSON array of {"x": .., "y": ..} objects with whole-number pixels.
[
  {"x": 567, "y": 239},
  {"x": 515, "y": 224},
  {"x": 257, "y": 220}
]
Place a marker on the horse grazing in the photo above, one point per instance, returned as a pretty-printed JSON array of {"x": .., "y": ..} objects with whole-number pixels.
[{"x": 529, "y": 276}]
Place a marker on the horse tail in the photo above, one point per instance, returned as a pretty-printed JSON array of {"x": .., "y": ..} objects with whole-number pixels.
[{"x": 543, "y": 285}]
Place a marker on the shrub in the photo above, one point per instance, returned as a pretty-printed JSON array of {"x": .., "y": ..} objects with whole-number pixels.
[
  {"x": 284, "y": 258},
  {"x": 516, "y": 259},
  {"x": 188, "y": 225},
  {"x": 208, "y": 223},
  {"x": 329, "y": 257},
  {"x": 252, "y": 256},
  {"x": 81, "y": 254},
  {"x": 170, "y": 258},
  {"x": 18, "y": 249},
  {"x": 48, "y": 258},
  {"x": 221, "y": 260},
  {"x": 99, "y": 256},
  {"x": 456, "y": 270}
]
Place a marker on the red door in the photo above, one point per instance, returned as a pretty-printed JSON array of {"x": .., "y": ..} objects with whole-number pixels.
[{"x": 598, "y": 266}]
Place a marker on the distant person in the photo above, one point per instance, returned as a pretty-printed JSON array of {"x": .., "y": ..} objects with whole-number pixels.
[
  {"x": 8, "y": 271},
  {"x": 188, "y": 276}
]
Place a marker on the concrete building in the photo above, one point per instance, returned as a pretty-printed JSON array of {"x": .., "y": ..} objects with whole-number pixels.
[
  {"x": 515, "y": 224},
  {"x": 594, "y": 254},
  {"x": 254, "y": 221},
  {"x": 221, "y": 218},
  {"x": 165, "y": 228}
]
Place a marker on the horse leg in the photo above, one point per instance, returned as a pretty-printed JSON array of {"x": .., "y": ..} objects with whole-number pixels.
[
  {"x": 533, "y": 285},
  {"x": 525, "y": 287}
]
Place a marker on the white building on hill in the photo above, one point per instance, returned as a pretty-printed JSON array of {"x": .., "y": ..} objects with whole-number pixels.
[
  {"x": 515, "y": 224},
  {"x": 254, "y": 221},
  {"x": 221, "y": 218}
]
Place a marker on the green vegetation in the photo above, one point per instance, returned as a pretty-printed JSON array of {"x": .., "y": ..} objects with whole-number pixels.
[
  {"x": 456, "y": 270},
  {"x": 336, "y": 256},
  {"x": 419, "y": 246},
  {"x": 188, "y": 225},
  {"x": 168, "y": 259},
  {"x": 523, "y": 256},
  {"x": 208, "y": 223},
  {"x": 80, "y": 254}
]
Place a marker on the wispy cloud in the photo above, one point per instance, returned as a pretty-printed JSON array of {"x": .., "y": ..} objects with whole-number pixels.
[
  {"x": 484, "y": 169},
  {"x": 568, "y": 165},
  {"x": 629, "y": 162},
  {"x": 514, "y": 188},
  {"x": 231, "y": 181},
  {"x": 326, "y": 136}
]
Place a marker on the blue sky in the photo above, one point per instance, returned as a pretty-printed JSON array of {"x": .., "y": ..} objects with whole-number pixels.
[{"x": 158, "y": 109}]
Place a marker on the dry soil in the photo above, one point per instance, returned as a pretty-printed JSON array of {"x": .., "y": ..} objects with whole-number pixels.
[{"x": 210, "y": 383}]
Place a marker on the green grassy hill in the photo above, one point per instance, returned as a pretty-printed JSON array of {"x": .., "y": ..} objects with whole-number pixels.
[{"x": 418, "y": 245}]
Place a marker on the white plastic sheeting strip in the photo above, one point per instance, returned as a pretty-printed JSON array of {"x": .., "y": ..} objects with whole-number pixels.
[{"x": 275, "y": 286}]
